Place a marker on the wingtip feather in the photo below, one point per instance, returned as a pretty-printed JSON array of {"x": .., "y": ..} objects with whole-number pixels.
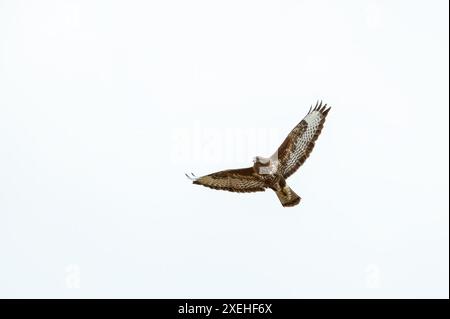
[
  {"x": 320, "y": 107},
  {"x": 192, "y": 178}
]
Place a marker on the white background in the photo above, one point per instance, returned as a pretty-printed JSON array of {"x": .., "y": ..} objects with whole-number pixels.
[{"x": 104, "y": 105}]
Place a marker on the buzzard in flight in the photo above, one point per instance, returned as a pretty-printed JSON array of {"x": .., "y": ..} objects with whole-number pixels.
[{"x": 272, "y": 172}]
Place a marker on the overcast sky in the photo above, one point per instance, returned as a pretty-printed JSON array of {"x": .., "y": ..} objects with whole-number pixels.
[{"x": 104, "y": 105}]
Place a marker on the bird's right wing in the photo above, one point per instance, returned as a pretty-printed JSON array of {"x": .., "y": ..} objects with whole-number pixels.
[
  {"x": 299, "y": 144},
  {"x": 243, "y": 180}
]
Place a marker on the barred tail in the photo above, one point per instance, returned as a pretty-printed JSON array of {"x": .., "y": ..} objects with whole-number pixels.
[{"x": 288, "y": 197}]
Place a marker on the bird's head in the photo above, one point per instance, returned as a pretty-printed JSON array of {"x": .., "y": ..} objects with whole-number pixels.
[
  {"x": 262, "y": 165},
  {"x": 261, "y": 160}
]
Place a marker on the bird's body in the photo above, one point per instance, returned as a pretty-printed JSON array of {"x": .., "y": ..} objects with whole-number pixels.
[{"x": 272, "y": 172}]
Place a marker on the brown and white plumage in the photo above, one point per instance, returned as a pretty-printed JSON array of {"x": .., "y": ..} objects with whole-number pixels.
[
  {"x": 272, "y": 172},
  {"x": 299, "y": 144},
  {"x": 242, "y": 180}
]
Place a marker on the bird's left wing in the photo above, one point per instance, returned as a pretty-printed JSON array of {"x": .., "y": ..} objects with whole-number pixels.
[
  {"x": 243, "y": 180},
  {"x": 299, "y": 144}
]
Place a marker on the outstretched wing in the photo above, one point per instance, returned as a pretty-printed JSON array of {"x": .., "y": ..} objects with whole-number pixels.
[
  {"x": 297, "y": 146},
  {"x": 243, "y": 180}
]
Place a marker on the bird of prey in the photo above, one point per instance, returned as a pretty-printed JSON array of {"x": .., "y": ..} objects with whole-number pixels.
[{"x": 272, "y": 172}]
